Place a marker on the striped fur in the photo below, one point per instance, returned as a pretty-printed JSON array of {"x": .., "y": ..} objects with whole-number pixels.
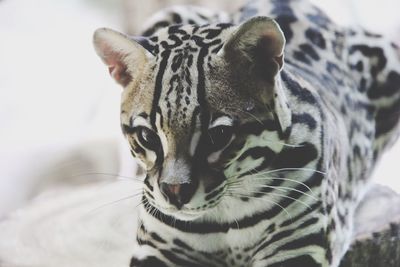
[{"x": 294, "y": 146}]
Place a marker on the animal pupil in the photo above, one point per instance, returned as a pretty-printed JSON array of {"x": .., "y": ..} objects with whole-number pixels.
[{"x": 149, "y": 138}]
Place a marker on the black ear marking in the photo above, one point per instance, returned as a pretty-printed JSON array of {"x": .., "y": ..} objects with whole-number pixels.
[{"x": 145, "y": 43}]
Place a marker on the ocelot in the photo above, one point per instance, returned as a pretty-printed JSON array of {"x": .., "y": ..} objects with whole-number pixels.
[{"x": 258, "y": 134}]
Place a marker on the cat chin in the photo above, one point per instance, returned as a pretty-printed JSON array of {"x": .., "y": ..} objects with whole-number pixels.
[
  {"x": 187, "y": 217},
  {"x": 183, "y": 215}
]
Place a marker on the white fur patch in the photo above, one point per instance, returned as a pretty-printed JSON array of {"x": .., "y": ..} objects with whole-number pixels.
[
  {"x": 140, "y": 121},
  {"x": 221, "y": 121},
  {"x": 193, "y": 143},
  {"x": 161, "y": 135}
]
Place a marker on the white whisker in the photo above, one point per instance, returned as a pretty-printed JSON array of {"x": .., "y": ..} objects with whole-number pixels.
[
  {"x": 116, "y": 201},
  {"x": 282, "y": 143},
  {"x": 120, "y": 177},
  {"x": 279, "y": 195},
  {"x": 284, "y": 196},
  {"x": 284, "y": 189},
  {"x": 288, "y": 189},
  {"x": 263, "y": 199},
  {"x": 292, "y": 169},
  {"x": 284, "y": 179},
  {"x": 256, "y": 177}
]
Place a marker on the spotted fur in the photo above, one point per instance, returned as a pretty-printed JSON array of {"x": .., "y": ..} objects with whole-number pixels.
[{"x": 254, "y": 156}]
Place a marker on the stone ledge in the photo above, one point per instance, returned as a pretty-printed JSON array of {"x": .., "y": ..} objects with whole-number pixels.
[{"x": 377, "y": 231}]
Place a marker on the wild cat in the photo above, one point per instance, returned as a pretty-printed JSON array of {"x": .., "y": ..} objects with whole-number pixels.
[{"x": 258, "y": 136}]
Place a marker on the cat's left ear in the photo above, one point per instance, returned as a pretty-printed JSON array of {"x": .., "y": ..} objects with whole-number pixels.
[
  {"x": 258, "y": 45},
  {"x": 254, "y": 52},
  {"x": 124, "y": 57}
]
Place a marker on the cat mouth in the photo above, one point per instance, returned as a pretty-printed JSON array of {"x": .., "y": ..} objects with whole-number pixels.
[
  {"x": 187, "y": 216},
  {"x": 184, "y": 212}
]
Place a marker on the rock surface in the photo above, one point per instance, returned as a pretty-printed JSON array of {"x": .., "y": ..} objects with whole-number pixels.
[{"x": 377, "y": 231}]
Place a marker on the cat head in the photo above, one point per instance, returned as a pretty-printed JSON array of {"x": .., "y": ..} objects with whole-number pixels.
[{"x": 195, "y": 100}]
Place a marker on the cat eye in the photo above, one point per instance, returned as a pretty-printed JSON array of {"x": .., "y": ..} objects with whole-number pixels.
[
  {"x": 149, "y": 139},
  {"x": 220, "y": 136}
]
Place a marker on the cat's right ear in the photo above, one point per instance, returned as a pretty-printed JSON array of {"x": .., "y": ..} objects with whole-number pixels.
[{"x": 124, "y": 57}]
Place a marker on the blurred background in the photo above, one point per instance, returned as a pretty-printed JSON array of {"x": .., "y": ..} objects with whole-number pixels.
[{"x": 59, "y": 110}]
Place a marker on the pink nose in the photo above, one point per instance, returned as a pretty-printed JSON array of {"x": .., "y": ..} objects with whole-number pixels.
[{"x": 177, "y": 194}]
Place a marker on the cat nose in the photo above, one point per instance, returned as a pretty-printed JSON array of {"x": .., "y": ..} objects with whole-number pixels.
[{"x": 177, "y": 194}]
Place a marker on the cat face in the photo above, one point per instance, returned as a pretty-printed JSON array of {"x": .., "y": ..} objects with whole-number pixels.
[{"x": 192, "y": 99}]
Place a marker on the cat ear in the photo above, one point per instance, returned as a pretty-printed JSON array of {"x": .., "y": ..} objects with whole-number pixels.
[
  {"x": 258, "y": 45},
  {"x": 124, "y": 57},
  {"x": 254, "y": 52}
]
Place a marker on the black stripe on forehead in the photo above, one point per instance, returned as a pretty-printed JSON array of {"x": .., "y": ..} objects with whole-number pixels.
[
  {"x": 205, "y": 40},
  {"x": 201, "y": 98},
  {"x": 158, "y": 87},
  {"x": 147, "y": 44},
  {"x": 201, "y": 92}
]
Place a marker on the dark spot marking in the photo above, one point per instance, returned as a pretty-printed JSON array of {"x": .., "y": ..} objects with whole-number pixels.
[{"x": 316, "y": 37}]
